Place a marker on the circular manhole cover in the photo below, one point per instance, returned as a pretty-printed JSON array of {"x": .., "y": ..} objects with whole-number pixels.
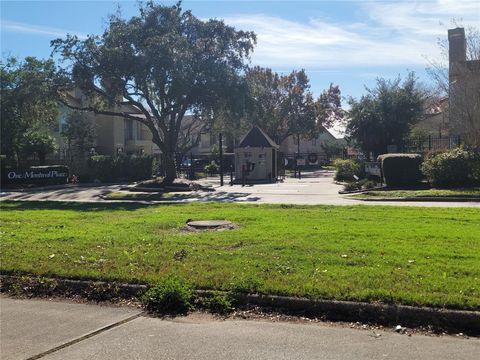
[{"x": 210, "y": 224}]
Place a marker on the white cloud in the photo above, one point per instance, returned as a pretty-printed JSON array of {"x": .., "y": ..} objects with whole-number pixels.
[
  {"x": 16, "y": 27},
  {"x": 392, "y": 34},
  {"x": 424, "y": 18}
]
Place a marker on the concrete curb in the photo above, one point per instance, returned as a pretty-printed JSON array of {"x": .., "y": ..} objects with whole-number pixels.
[
  {"x": 384, "y": 314},
  {"x": 424, "y": 198},
  {"x": 453, "y": 320}
]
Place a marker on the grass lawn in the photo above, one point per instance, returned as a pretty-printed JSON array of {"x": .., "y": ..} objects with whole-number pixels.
[
  {"x": 417, "y": 256},
  {"x": 396, "y": 194}
]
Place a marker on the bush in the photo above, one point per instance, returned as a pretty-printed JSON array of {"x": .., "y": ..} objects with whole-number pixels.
[
  {"x": 171, "y": 296},
  {"x": 401, "y": 169},
  {"x": 456, "y": 167},
  {"x": 352, "y": 186},
  {"x": 110, "y": 169},
  {"x": 136, "y": 168},
  {"x": 368, "y": 184},
  {"x": 218, "y": 303},
  {"x": 211, "y": 168},
  {"x": 102, "y": 168},
  {"x": 346, "y": 169}
]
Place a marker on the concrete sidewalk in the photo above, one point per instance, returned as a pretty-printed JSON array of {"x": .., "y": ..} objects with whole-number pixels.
[{"x": 32, "y": 327}]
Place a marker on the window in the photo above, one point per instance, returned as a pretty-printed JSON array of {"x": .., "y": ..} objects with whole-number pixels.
[
  {"x": 141, "y": 132},
  {"x": 128, "y": 129},
  {"x": 247, "y": 155},
  {"x": 205, "y": 141}
]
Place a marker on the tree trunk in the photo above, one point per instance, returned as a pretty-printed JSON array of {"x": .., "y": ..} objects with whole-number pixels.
[{"x": 170, "y": 170}]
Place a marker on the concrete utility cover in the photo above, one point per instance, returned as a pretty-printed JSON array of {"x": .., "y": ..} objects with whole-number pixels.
[{"x": 210, "y": 224}]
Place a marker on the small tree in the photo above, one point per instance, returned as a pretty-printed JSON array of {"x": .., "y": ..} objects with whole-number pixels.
[
  {"x": 39, "y": 143},
  {"x": 79, "y": 135},
  {"x": 332, "y": 148},
  {"x": 385, "y": 115},
  {"x": 28, "y": 102}
]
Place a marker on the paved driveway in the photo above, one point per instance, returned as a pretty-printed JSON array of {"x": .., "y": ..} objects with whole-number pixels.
[{"x": 313, "y": 189}]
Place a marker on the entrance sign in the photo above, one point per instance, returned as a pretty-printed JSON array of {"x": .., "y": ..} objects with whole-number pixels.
[
  {"x": 373, "y": 168},
  {"x": 35, "y": 175},
  {"x": 300, "y": 162}
]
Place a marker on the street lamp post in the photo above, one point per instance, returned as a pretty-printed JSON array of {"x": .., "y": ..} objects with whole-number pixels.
[{"x": 220, "y": 144}]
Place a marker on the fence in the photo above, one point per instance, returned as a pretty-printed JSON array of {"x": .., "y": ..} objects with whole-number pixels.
[
  {"x": 431, "y": 143},
  {"x": 302, "y": 160}
]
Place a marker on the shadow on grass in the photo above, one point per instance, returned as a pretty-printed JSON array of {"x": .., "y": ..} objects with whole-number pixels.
[{"x": 70, "y": 205}]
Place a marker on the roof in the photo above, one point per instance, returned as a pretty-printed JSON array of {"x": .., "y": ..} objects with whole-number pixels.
[{"x": 257, "y": 138}]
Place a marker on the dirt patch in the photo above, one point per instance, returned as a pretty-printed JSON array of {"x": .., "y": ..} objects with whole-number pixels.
[{"x": 209, "y": 225}]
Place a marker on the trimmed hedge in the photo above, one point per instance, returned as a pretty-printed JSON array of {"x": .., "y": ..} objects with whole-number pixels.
[
  {"x": 455, "y": 167},
  {"x": 401, "y": 169},
  {"x": 110, "y": 169}
]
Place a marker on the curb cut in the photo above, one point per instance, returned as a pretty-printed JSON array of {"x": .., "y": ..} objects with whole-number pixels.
[{"x": 350, "y": 311}]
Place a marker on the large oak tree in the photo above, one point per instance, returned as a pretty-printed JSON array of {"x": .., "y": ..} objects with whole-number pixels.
[{"x": 156, "y": 67}]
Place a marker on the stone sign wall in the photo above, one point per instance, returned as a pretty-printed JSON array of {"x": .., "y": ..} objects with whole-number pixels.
[{"x": 35, "y": 175}]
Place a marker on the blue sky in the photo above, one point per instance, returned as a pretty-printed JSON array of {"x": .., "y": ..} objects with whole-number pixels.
[{"x": 349, "y": 43}]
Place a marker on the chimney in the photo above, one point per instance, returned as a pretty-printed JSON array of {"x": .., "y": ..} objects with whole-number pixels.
[
  {"x": 457, "y": 54},
  {"x": 457, "y": 50}
]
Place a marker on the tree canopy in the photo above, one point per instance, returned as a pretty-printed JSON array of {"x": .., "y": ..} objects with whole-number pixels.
[
  {"x": 28, "y": 106},
  {"x": 283, "y": 105},
  {"x": 79, "y": 135},
  {"x": 157, "y": 66},
  {"x": 385, "y": 114}
]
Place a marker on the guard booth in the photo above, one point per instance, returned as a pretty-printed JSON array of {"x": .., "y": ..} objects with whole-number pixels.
[{"x": 256, "y": 158}]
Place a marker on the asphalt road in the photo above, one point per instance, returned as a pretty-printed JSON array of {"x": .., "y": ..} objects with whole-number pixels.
[
  {"x": 32, "y": 327},
  {"x": 313, "y": 189}
]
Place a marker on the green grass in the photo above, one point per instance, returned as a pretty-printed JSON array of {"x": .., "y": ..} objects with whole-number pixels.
[
  {"x": 408, "y": 255},
  {"x": 440, "y": 193}
]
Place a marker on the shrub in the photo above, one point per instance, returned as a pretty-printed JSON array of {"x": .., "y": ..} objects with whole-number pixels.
[
  {"x": 455, "y": 167},
  {"x": 170, "y": 296},
  {"x": 369, "y": 184},
  {"x": 136, "y": 167},
  {"x": 352, "y": 186},
  {"x": 102, "y": 168},
  {"x": 132, "y": 168},
  {"x": 218, "y": 303},
  {"x": 401, "y": 169},
  {"x": 346, "y": 169},
  {"x": 211, "y": 168}
]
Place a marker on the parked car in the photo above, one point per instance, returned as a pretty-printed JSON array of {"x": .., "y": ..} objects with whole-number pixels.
[{"x": 198, "y": 164}]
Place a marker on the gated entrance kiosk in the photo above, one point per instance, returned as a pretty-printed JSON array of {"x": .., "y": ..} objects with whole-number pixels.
[{"x": 256, "y": 158}]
